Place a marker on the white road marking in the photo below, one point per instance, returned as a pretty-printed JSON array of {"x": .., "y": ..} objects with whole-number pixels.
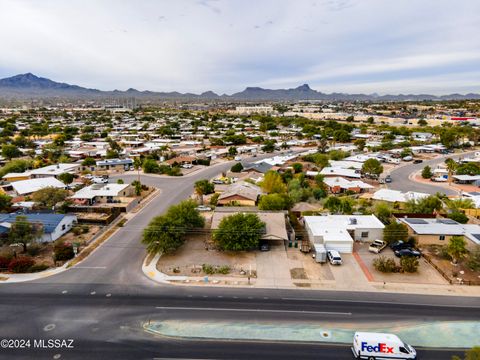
[
  {"x": 93, "y": 293},
  {"x": 381, "y": 302},
  {"x": 89, "y": 267},
  {"x": 64, "y": 291},
  {"x": 252, "y": 310},
  {"x": 108, "y": 295}
]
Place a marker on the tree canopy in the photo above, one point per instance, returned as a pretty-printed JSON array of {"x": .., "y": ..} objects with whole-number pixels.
[
  {"x": 275, "y": 202},
  {"x": 49, "y": 196},
  {"x": 239, "y": 232},
  {"x": 273, "y": 183},
  {"x": 166, "y": 233},
  {"x": 372, "y": 167},
  {"x": 24, "y": 232},
  {"x": 395, "y": 231}
]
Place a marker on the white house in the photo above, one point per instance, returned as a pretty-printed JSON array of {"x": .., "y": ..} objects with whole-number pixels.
[
  {"x": 54, "y": 225},
  {"x": 337, "y": 232},
  {"x": 397, "y": 196},
  {"x": 25, "y": 187}
]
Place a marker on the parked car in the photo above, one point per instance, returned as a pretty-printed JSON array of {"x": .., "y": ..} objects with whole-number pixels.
[
  {"x": 408, "y": 158},
  {"x": 439, "y": 179},
  {"x": 388, "y": 179},
  {"x": 203, "y": 208},
  {"x": 238, "y": 158},
  {"x": 218, "y": 181},
  {"x": 334, "y": 257},
  {"x": 399, "y": 245},
  {"x": 99, "y": 180},
  {"x": 376, "y": 246},
  {"x": 417, "y": 161},
  {"x": 187, "y": 166},
  {"x": 407, "y": 252},
  {"x": 264, "y": 246}
]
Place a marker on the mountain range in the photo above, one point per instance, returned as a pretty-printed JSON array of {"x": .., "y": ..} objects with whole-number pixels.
[{"x": 29, "y": 86}]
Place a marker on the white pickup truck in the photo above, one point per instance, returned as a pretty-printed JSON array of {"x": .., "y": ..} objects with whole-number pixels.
[{"x": 376, "y": 246}]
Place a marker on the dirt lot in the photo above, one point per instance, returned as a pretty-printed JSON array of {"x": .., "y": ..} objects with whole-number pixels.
[
  {"x": 459, "y": 273},
  {"x": 188, "y": 260},
  {"x": 426, "y": 274}
]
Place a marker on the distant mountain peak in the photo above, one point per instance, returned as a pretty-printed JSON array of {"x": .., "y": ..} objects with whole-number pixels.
[
  {"x": 304, "y": 87},
  {"x": 28, "y": 85}
]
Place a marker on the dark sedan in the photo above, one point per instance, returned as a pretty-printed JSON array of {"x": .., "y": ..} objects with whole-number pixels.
[
  {"x": 407, "y": 252},
  {"x": 399, "y": 245}
]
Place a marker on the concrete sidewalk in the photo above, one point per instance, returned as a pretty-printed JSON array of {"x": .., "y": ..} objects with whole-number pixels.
[{"x": 149, "y": 268}]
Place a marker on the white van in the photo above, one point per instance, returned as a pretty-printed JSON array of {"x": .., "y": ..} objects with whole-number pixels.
[{"x": 373, "y": 346}]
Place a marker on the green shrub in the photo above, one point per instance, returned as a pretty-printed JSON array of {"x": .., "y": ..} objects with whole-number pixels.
[
  {"x": 225, "y": 269},
  {"x": 33, "y": 250},
  {"x": 238, "y": 167},
  {"x": 20, "y": 264},
  {"x": 474, "y": 260},
  {"x": 121, "y": 222},
  {"x": 63, "y": 252},
  {"x": 214, "y": 199},
  {"x": 85, "y": 229},
  {"x": 38, "y": 267},
  {"x": 76, "y": 230},
  {"x": 409, "y": 264},
  {"x": 385, "y": 265},
  {"x": 208, "y": 269}
]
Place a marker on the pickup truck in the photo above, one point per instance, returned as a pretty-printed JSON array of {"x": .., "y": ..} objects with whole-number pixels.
[{"x": 376, "y": 246}]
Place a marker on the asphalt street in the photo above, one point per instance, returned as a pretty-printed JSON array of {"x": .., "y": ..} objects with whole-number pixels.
[
  {"x": 401, "y": 181},
  {"x": 103, "y": 303}
]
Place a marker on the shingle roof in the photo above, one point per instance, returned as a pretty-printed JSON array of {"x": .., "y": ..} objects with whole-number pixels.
[{"x": 49, "y": 221}]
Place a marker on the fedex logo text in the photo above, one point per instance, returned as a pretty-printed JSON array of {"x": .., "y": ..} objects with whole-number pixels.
[{"x": 381, "y": 347}]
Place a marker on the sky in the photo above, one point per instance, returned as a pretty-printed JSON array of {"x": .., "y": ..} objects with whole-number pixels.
[{"x": 354, "y": 46}]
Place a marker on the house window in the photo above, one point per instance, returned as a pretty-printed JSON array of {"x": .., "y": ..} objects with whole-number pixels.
[
  {"x": 442, "y": 237},
  {"x": 63, "y": 227},
  {"x": 364, "y": 234}
]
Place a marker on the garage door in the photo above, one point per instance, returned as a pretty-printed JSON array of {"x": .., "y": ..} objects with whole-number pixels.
[{"x": 340, "y": 246}]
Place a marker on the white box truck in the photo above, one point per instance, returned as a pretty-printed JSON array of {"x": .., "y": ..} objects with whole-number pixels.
[{"x": 373, "y": 346}]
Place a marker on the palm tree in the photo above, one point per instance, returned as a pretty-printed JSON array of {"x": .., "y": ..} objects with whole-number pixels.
[
  {"x": 451, "y": 167},
  {"x": 137, "y": 164}
]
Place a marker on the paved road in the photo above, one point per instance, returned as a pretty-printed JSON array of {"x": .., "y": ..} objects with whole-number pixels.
[
  {"x": 401, "y": 181},
  {"x": 103, "y": 302}
]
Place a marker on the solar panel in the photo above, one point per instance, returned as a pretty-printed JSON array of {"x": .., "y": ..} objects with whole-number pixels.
[
  {"x": 448, "y": 221},
  {"x": 416, "y": 221},
  {"x": 476, "y": 236}
]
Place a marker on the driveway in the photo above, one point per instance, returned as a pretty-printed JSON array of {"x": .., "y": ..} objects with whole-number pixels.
[
  {"x": 273, "y": 268},
  {"x": 349, "y": 275},
  {"x": 426, "y": 274}
]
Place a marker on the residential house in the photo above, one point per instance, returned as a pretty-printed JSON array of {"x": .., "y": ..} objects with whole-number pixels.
[
  {"x": 439, "y": 231},
  {"x": 331, "y": 171},
  {"x": 260, "y": 168},
  {"x": 103, "y": 193},
  {"x": 54, "y": 225},
  {"x": 115, "y": 164},
  {"x": 11, "y": 177},
  {"x": 242, "y": 193},
  {"x": 54, "y": 170},
  {"x": 397, "y": 196},
  {"x": 338, "y": 185},
  {"x": 25, "y": 187},
  {"x": 275, "y": 222},
  {"x": 338, "y": 232}
]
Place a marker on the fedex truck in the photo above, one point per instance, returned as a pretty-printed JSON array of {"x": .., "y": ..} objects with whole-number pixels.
[{"x": 373, "y": 346}]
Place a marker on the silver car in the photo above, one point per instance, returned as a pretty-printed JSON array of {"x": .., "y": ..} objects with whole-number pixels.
[{"x": 334, "y": 257}]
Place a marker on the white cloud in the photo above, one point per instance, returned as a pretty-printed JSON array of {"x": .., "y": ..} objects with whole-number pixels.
[{"x": 226, "y": 45}]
